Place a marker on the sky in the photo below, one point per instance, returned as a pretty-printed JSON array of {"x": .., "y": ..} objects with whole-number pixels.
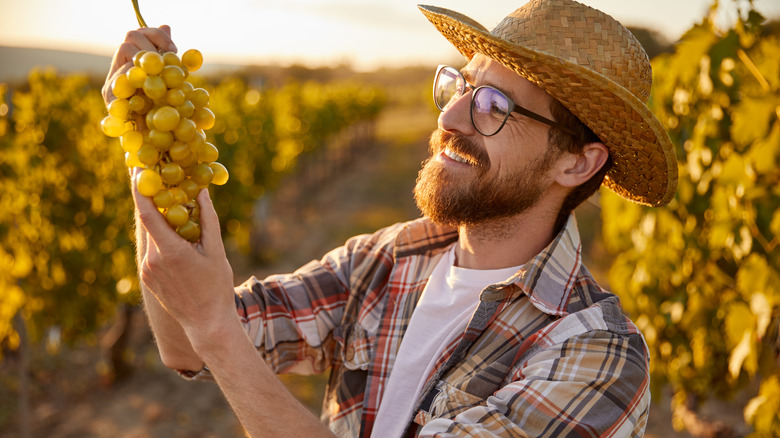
[{"x": 363, "y": 33}]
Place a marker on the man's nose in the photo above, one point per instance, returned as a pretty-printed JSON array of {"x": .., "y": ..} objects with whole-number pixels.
[{"x": 456, "y": 116}]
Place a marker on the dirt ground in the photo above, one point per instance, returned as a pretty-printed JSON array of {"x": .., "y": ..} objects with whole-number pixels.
[{"x": 70, "y": 399}]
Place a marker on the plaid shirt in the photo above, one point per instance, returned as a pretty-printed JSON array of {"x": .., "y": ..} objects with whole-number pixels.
[{"x": 546, "y": 353}]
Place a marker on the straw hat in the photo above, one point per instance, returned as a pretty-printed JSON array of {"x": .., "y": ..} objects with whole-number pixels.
[{"x": 596, "y": 68}]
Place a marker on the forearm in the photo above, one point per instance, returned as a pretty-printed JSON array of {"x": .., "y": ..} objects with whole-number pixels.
[
  {"x": 175, "y": 349},
  {"x": 262, "y": 403}
]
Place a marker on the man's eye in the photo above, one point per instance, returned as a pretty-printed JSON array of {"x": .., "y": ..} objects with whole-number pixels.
[{"x": 497, "y": 110}]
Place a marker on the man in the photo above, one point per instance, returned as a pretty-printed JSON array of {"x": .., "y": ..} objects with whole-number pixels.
[{"x": 478, "y": 319}]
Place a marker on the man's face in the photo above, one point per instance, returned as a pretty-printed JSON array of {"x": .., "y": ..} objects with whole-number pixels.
[{"x": 469, "y": 178}]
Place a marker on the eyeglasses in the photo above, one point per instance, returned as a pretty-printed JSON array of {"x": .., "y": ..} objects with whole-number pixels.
[{"x": 490, "y": 108}]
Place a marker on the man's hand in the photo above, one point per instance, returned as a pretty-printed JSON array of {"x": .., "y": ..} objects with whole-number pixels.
[
  {"x": 193, "y": 282},
  {"x": 145, "y": 38}
]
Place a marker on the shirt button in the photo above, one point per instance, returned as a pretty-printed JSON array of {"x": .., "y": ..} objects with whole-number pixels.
[{"x": 350, "y": 353}]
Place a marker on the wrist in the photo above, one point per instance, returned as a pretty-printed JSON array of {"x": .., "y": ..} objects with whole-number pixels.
[{"x": 215, "y": 337}]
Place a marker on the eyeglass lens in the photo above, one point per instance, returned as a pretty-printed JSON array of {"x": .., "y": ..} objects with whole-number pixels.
[
  {"x": 449, "y": 84},
  {"x": 489, "y": 107}
]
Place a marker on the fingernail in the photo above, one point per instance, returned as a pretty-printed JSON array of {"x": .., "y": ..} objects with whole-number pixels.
[{"x": 172, "y": 48}]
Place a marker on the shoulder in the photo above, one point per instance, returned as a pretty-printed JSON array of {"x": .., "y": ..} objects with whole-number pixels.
[{"x": 402, "y": 238}]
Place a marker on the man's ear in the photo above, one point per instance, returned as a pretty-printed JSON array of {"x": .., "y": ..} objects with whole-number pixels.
[{"x": 577, "y": 168}]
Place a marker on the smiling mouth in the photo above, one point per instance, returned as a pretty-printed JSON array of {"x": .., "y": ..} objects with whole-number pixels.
[{"x": 455, "y": 157}]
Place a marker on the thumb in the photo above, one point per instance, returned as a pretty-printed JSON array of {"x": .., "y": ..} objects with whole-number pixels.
[{"x": 210, "y": 234}]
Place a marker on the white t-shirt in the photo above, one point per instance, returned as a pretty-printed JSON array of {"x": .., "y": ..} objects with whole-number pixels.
[{"x": 443, "y": 312}]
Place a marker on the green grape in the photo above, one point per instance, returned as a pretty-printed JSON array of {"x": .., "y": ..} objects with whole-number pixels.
[
  {"x": 150, "y": 118},
  {"x": 198, "y": 142},
  {"x": 162, "y": 140},
  {"x": 152, "y": 63},
  {"x": 202, "y": 174},
  {"x": 131, "y": 141},
  {"x": 137, "y": 104},
  {"x": 154, "y": 87},
  {"x": 113, "y": 126},
  {"x": 163, "y": 198},
  {"x": 190, "y": 187},
  {"x": 136, "y": 76},
  {"x": 175, "y": 97},
  {"x": 220, "y": 174},
  {"x": 179, "y": 195},
  {"x": 209, "y": 153},
  {"x": 189, "y": 160},
  {"x": 203, "y": 118},
  {"x": 187, "y": 109},
  {"x": 149, "y": 182},
  {"x": 199, "y": 97},
  {"x": 166, "y": 118},
  {"x": 131, "y": 160},
  {"x": 173, "y": 76},
  {"x": 185, "y": 131},
  {"x": 121, "y": 87},
  {"x": 187, "y": 88},
  {"x": 119, "y": 108},
  {"x": 172, "y": 173},
  {"x": 192, "y": 59},
  {"x": 160, "y": 101},
  {"x": 189, "y": 231},
  {"x": 179, "y": 151},
  {"x": 177, "y": 215},
  {"x": 137, "y": 58},
  {"x": 148, "y": 154},
  {"x": 171, "y": 58}
]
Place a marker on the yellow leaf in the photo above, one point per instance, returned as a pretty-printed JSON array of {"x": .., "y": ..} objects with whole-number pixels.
[
  {"x": 764, "y": 153},
  {"x": 740, "y": 324},
  {"x": 739, "y": 320},
  {"x": 762, "y": 309},
  {"x": 751, "y": 119},
  {"x": 739, "y": 354},
  {"x": 736, "y": 171}
]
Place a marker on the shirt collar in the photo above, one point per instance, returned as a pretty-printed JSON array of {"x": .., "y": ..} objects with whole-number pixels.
[{"x": 547, "y": 279}]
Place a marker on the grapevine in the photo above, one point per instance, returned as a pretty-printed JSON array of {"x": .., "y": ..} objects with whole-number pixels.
[{"x": 160, "y": 119}]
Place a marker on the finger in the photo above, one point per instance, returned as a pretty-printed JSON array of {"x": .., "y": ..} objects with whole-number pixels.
[
  {"x": 153, "y": 38},
  {"x": 158, "y": 229},
  {"x": 146, "y": 38},
  {"x": 210, "y": 235}
]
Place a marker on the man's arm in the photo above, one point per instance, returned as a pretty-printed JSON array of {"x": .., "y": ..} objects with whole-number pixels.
[
  {"x": 175, "y": 349},
  {"x": 189, "y": 298},
  {"x": 194, "y": 284}
]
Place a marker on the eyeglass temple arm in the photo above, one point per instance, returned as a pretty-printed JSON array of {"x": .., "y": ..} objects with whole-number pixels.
[{"x": 537, "y": 117}]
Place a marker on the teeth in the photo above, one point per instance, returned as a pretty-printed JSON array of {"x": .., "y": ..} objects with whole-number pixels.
[{"x": 450, "y": 153}]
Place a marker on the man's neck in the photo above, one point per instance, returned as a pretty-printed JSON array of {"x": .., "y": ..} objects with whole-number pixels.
[{"x": 505, "y": 242}]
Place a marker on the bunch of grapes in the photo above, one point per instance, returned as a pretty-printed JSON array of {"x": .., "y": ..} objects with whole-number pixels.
[{"x": 161, "y": 119}]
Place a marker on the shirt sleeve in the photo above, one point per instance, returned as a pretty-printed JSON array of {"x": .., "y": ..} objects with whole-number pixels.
[
  {"x": 294, "y": 319},
  {"x": 592, "y": 384}
]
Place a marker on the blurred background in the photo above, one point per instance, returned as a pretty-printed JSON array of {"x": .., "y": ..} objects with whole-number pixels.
[{"x": 323, "y": 111}]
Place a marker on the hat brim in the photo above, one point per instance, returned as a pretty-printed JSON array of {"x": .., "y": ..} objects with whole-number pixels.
[{"x": 645, "y": 162}]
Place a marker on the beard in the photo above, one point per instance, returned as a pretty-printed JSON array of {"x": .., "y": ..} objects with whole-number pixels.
[{"x": 452, "y": 200}]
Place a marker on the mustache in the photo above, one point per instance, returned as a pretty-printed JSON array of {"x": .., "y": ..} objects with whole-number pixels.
[{"x": 460, "y": 144}]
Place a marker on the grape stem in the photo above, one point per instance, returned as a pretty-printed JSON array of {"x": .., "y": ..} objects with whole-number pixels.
[{"x": 141, "y": 21}]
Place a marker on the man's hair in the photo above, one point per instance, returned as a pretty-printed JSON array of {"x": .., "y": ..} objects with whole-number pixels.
[{"x": 574, "y": 143}]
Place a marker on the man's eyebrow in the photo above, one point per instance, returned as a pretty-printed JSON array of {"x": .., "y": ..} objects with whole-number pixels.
[{"x": 469, "y": 77}]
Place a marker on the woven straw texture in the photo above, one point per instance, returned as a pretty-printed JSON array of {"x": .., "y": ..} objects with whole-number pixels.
[{"x": 596, "y": 68}]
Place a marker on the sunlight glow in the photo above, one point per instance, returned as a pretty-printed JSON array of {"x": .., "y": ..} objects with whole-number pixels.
[{"x": 362, "y": 32}]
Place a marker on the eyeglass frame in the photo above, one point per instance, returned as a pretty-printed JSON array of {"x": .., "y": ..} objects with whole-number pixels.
[{"x": 513, "y": 107}]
